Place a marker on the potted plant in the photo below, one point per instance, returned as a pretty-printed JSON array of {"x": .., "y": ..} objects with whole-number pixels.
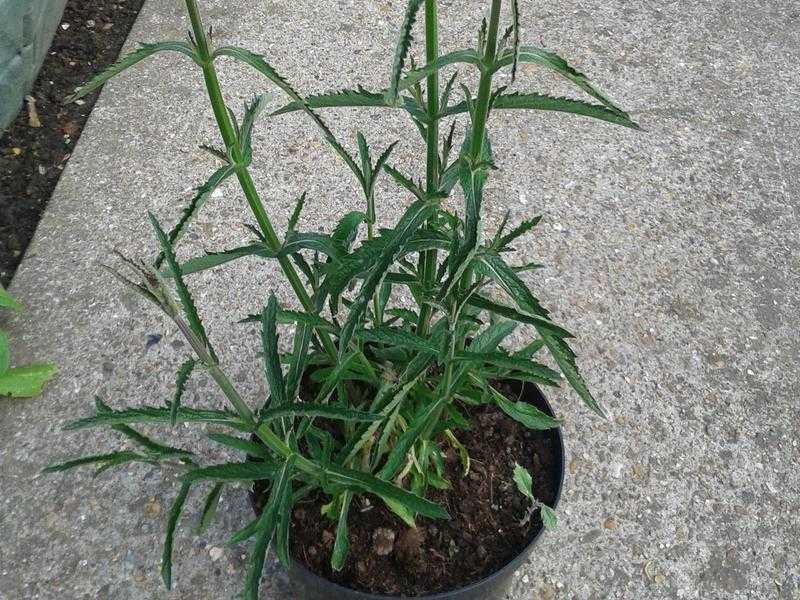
[{"x": 402, "y": 449}]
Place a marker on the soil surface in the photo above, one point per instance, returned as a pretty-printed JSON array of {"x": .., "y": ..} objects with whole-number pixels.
[
  {"x": 37, "y": 144},
  {"x": 488, "y": 525}
]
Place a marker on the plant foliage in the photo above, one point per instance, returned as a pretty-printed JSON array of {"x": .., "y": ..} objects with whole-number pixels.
[{"x": 388, "y": 378}]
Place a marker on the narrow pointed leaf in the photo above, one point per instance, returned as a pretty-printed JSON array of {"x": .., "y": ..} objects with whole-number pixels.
[
  {"x": 154, "y": 414},
  {"x": 244, "y": 471},
  {"x": 522, "y": 412},
  {"x": 181, "y": 379},
  {"x": 340, "y": 546},
  {"x": 324, "y": 411},
  {"x": 93, "y": 459},
  {"x": 269, "y": 346},
  {"x": 401, "y": 50},
  {"x": 237, "y": 443},
  {"x": 172, "y": 522},
  {"x": 127, "y": 61}
]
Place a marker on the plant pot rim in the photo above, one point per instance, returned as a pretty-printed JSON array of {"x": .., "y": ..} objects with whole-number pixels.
[{"x": 512, "y": 565}]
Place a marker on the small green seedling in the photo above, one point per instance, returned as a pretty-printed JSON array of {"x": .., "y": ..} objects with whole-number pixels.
[{"x": 524, "y": 483}]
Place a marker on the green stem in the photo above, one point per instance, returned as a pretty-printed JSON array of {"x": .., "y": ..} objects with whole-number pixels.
[
  {"x": 485, "y": 85},
  {"x": 229, "y": 137},
  {"x": 428, "y": 260}
]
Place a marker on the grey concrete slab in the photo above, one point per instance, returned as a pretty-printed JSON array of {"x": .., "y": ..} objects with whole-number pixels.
[{"x": 673, "y": 253}]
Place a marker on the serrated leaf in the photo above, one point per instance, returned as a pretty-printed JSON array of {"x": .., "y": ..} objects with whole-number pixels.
[
  {"x": 511, "y": 363},
  {"x": 154, "y": 414},
  {"x": 187, "y": 303},
  {"x": 458, "y": 56},
  {"x": 405, "y": 182},
  {"x": 552, "y": 61},
  {"x": 244, "y": 471},
  {"x": 565, "y": 358},
  {"x": 266, "y": 528},
  {"x": 181, "y": 380},
  {"x": 172, "y": 522},
  {"x": 523, "y": 480},
  {"x": 298, "y": 208},
  {"x": 269, "y": 346},
  {"x": 291, "y": 317},
  {"x": 361, "y": 481},
  {"x": 144, "y": 51},
  {"x": 202, "y": 194},
  {"x": 401, "y": 50},
  {"x": 324, "y": 411},
  {"x": 27, "y": 381},
  {"x": 396, "y": 337},
  {"x": 94, "y": 459},
  {"x": 347, "y": 228}
]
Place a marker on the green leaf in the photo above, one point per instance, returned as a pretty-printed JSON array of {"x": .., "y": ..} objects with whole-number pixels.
[
  {"x": 548, "y": 516},
  {"x": 7, "y": 301},
  {"x": 209, "y": 508},
  {"x": 266, "y": 527},
  {"x": 211, "y": 260},
  {"x": 508, "y": 312},
  {"x": 154, "y": 414},
  {"x": 404, "y": 182},
  {"x": 298, "y": 208},
  {"x": 298, "y": 361},
  {"x": 522, "y": 412},
  {"x": 246, "y": 446},
  {"x": 534, "y": 101},
  {"x": 404, "y": 443},
  {"x": 396, "y": 337},
  {"x": 144, "y": 51},
  {"x": 347, "y": 228},
  {"x": 27, "y": 381},
  {"x": 459, "y": 56},
  {"x": 409, "y": 223},
  {"x": 521, "y": 229},
  {"x": 245, "y": 533},
  {"x": 523, "y": 480},
  {"x": 187, "y": 303},
  {"x": 202, "y": 194},
  {"x": 113, "y": 457},
  {"x": 552, "y": 61},
  {"x": 5, "y": 353},
  {"x": 319, "y": 242},
  {"x": 181, "y": 379},
  {"x": 324, "y": 411},
  {"x": 251, "y": 112},
  {"x": 512, "y": 363},
  {"x": 172, "y": 522},
  {"x": 272, "y": 361},
  {"x": 401, "y": 51},
  {"x": 361, "y": 481},
  {"x": 565, "y": 358},
  {"x": 340, "y": 546},
  {"x": 250, "y": 470}
]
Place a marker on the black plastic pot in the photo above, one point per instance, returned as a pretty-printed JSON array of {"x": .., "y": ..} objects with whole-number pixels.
[{"x": 309, "y": 586}]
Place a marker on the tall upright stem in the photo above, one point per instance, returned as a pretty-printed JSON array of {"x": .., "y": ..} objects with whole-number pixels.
[
  {"x": 427, "y": 263},
  {"x": 228, "y": 134},
  {"x": 485, "y": 85}
]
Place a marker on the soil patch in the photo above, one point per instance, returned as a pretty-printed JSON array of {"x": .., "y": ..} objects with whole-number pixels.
[
  {"x": 487, "y": 528},
  {"x": 32, "y": 158}
]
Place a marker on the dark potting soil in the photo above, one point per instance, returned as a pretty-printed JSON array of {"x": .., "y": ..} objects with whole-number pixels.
[
  {"x": 32, "y": 158},
  {"x": 487, "y": 528}
]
